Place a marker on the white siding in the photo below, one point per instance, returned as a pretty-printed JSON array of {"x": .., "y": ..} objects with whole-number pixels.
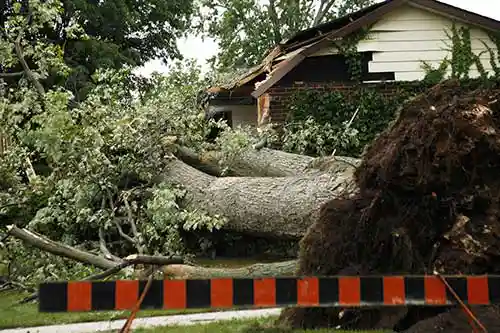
[{"x": 407, "y": 36}]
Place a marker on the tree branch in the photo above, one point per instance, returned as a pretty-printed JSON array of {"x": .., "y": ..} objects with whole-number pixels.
[
  {"x": 13, "y": 74},
  {"x": 323, "y": 10},
  {"x": 104, "y": 248},
  {"x": 45, "y": 244},
  {"x": 133, "y": 227},
  {"x": 273, "y": 16},
  {"x": 122, "y": 233},
  {"x": 118, "y": 226},
  {"x": 285, "y": 268},
  {"x": 24, "y": 64}
]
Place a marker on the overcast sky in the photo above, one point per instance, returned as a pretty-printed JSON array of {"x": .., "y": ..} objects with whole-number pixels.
[{"x": 195, "y": 47}]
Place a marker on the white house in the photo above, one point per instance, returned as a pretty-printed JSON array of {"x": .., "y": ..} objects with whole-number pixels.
[{"x": 397, "y": 37}]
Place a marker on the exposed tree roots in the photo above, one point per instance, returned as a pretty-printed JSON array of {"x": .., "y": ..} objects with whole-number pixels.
[{"x": 428, "y": 201}]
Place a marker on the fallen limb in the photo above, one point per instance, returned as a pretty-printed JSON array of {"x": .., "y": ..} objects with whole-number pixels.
[
  {"x": 45, "y": 244},
  {"x": 57, "y": 249},
  {"x": 285, "y": 268}
]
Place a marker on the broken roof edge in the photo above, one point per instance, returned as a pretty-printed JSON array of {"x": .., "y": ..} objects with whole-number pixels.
[
  {"x": 250, "y": 74},
  {"x": 368, "y": 19}
]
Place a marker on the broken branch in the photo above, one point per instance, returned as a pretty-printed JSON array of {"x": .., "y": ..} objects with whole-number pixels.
[
  {"x": 13, "y": 74},
  {"x": 45, "y": 244},
  {"x": 133, "y": 227},
  {"x": 20, "y": 56}
]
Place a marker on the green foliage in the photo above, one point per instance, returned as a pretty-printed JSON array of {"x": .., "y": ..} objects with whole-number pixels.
[
  {"x": 247, "y": 29},
  {"x": 494, "y": 54},
  {"x": 349, "y": 48},
  {"x": 168, "y": 218},
  {"x": 435, "y": 75},
  {"x": 30, "y": 266},
  {"x": 318, "y": 120},
  {"x": 463, "y": 57},
  {"x": 117, "y": 34},
  {"x": 86, "y": 175}
]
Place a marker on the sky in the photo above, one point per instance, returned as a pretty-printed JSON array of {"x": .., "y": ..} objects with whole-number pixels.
[{"x": 201, "y": 50}]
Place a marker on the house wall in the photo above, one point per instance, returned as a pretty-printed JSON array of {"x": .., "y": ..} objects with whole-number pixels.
[
  {"x": 280, "y": 95},
  {"x": 244, "y": 115},
  {"x": 404, "y": 38},
  {"x": 240, "y": 115}
]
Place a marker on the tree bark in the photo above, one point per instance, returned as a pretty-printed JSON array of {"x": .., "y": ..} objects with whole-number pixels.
[
  {"x": 59, "y": 249},
  {"x": 281, "y": 207},
  {"x": 270, "y": 163},
  {"x": 257, "y": 163},
  {"x": 263, "y": 162},
  {"x": 286, "y": 268}
]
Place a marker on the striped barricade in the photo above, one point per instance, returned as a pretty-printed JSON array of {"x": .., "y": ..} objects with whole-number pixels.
[{"x": 220, "y": 293}]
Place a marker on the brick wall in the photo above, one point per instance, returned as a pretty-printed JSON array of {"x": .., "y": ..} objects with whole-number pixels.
[{"x": 280, "y": 95}]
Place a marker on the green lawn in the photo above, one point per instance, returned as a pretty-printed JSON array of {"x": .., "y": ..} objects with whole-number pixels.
[
  {"x": 27, "y": 315},
  {"x": 236, "y": 326}
]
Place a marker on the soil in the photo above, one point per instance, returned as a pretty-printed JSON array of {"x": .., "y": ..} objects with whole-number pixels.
[
  {"x": 457, "y": 322},
  {"x": 429, "y": 200}
]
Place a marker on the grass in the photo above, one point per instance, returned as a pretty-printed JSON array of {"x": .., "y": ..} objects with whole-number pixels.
[
  {"x": 237, "y": 326},
  {"x": 27, "y": 315}
]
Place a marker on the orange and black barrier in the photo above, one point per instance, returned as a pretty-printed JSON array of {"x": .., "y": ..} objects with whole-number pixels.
[{"x": 339, "y": 291}]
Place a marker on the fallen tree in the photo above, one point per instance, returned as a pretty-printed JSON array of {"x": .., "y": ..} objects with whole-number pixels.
[
  {"x": 281, "y": 207},
  {"x": 262, "y": 162}
]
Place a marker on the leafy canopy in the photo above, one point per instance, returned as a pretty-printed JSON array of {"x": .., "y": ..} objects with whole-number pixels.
[{"x": 119, "y": 33}]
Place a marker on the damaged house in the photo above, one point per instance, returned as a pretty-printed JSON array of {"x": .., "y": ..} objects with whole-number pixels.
[{"x": 391, "y": 40}]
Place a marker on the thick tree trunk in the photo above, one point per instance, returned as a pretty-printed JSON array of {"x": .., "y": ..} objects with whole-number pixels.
[
  {"x": 262, "y": 163},
  {"x": 282, "y": 207},
  {"x": 269, "y": 163},
  {"x": 285, "y": 268}
]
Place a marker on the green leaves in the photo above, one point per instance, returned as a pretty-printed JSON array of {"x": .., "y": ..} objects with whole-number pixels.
[
  {"x": 317, "y": 122},
  {"x": 66, "y": 41},
  {"x": 247, "y": 29},
  {"x": 169, "y": 219},
  {"x": 95, "y": 163}
]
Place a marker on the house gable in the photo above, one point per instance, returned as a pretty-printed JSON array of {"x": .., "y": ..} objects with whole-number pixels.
[{"x": 403, "y": 39}]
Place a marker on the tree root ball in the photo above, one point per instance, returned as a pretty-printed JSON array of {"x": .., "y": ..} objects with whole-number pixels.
[{"x": 428, "y": 200}]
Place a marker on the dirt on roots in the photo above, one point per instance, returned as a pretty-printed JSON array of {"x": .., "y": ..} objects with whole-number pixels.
[{"x": 429, "y": 195}]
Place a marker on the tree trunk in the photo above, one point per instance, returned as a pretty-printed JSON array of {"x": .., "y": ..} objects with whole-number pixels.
[
  {"x": 286, "y": 268},
  {"x": 282, "y": 207},
  {"x": 252, "y": 162},
  {"x": 262, "y": 163},
  {"x": 269, "y": 163}
]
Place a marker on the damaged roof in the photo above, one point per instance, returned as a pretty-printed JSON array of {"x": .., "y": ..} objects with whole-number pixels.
[{"x": 290, "y": 53}]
